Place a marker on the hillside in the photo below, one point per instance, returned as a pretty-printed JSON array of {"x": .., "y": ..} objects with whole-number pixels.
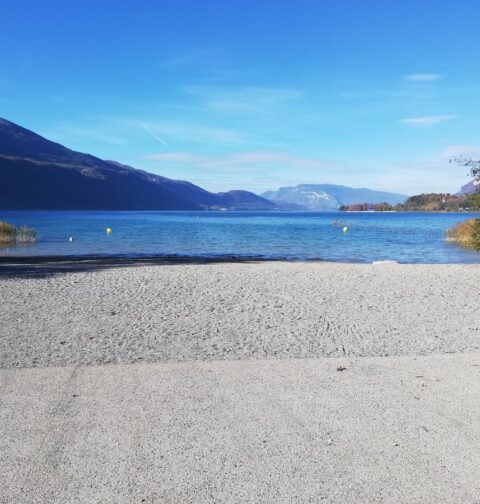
[
  {"x": 432, "y": 202},
  {"x": 37, "y": 174}
]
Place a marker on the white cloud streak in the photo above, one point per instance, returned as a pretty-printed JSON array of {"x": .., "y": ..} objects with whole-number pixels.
[
  {"x": 244, "y": 99},
  {"x": 423, "y": 77},
  {"x": 252, "y": 161},
  {"x": 427, "y": 121},
  {"x": 153, "y": 134},
  {"x": 180, "y": 131}
]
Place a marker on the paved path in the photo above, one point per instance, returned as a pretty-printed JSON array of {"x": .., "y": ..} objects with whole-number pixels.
[{"x": 385, "y": 429}]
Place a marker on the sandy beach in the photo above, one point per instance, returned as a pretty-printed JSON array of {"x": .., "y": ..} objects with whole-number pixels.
[
  {"x": 263, "y": 382},
  {"x": 238, "y": 311}
]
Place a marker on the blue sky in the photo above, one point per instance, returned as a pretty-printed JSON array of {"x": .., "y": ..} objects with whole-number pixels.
[{"x": 252, "y": 94}]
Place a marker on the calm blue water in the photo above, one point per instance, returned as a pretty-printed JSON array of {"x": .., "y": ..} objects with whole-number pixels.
[{"x": 404, "y": 237}]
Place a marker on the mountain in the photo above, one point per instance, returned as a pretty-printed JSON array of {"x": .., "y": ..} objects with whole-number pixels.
[
  {"x": 37, "y": 174},
  {"x": 319, "y": 197},
  {"x": 469, "y": 188}
]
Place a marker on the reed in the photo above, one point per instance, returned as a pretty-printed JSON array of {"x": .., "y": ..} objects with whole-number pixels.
[
  {"x": 466, "y": 233},
  {"x": 7, "y": 232},
  {"x": 26, "y": 235},
  {"x": 11, "y": 234}
]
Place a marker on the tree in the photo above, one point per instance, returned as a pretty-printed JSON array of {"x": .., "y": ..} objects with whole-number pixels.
[{"x": 472, "y": 164}]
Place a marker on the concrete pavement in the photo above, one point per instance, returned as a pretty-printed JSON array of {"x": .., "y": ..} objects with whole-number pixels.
[{"x": 385, "y": 429}]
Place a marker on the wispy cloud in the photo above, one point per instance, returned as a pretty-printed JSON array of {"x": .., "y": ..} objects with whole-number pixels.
[
  {"x": 427, "y": 121},
  {"x": 253, "y": 170},
  {"x": 244, "y": 99},
  {"x": 180, "y": 131},
  {"x": 423, "y": 77},
  {"x": 153, "y": 134},
  {"x": 242, "y": 161},
  {"x": 453, "y": 151}
]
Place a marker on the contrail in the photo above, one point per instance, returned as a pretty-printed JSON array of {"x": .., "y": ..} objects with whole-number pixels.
[{"x": 148, "y": 130}]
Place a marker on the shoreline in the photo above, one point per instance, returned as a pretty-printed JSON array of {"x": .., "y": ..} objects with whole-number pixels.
[
  {"x": 43, "y": 266},
  {"x": 39, "y": 266},
  {"x": 123, "y": 259},
  {"x": 24, "y": 265}
]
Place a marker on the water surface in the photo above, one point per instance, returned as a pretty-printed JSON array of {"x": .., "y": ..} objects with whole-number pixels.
[{"x": 403, "y": 237}]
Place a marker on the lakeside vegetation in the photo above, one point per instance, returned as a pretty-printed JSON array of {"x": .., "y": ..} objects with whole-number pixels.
[
  {"x": 466, "y": 233},
  {"x": 432, "y": 202},
  {"x": 11, "y": 234}
]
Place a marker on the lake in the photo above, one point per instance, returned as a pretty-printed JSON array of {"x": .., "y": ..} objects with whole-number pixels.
[{"x": 403, "y": 237}]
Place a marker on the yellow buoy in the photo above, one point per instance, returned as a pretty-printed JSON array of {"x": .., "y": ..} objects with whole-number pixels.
[
  {"x": 109, "y": 231},
  {"x": 345, "y": 229}
]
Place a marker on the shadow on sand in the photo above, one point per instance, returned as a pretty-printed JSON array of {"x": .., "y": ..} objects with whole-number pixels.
[{"x": 48, "y": 266}]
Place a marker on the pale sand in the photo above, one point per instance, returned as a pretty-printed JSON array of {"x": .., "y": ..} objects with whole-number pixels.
[
  {"x": 237, "y": 311},
  {"x": 262, "y": 427}
]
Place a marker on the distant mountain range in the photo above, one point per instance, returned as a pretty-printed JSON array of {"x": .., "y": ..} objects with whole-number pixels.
[
  {"x": 37, "y": 174},
  {"x": 321, "y": 197}
]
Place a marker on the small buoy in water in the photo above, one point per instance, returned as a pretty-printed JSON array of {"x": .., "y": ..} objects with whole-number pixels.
[
  {"x": 109, "y": 231},
  {"x": 345, "y": 229},
  {"x": 70, "y": 239}
]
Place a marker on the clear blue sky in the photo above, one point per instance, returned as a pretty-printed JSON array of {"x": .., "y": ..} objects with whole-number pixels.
[{"x": 252, "y": 94}]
